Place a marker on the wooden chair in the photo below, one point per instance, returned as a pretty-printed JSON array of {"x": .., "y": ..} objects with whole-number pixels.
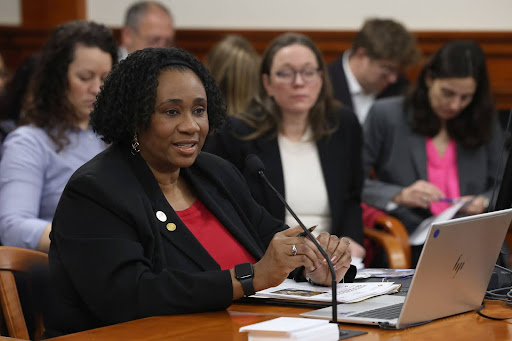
[
  {"x": 13, "y": 259},
  {"x": 390, "y": 234}
]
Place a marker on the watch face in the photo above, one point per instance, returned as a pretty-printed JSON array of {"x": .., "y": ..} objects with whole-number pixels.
[{"x": 243, "y": 270}]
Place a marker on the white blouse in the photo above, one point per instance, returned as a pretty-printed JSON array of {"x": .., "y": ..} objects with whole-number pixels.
[{"x": 304, "y": 184}]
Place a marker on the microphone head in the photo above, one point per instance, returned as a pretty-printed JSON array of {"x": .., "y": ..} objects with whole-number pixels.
[{"x": 254, "y": 165}]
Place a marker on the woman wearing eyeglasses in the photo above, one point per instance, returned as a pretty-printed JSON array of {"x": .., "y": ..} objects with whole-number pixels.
[{"x": 310, "y": 146}]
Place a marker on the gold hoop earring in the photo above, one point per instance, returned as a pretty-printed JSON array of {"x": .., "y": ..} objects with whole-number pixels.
[{"x": 135, "y": 144}]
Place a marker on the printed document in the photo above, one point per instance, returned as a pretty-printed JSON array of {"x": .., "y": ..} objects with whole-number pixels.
[
  {"x": 346, "y": 292},
  {"x": 419, "y": 235}
]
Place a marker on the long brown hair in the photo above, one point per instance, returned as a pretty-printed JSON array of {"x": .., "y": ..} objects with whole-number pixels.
[
  {"x": 48, "y": 106},
  {"x": 456, "y": 59},
  {"x": 264, "y": 115}
]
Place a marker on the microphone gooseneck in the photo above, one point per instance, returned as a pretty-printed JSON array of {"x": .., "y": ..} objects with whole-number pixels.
[{"x": 254, "y": 165}]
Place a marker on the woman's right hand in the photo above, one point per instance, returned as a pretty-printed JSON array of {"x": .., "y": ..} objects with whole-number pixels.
[
  {"x": 419, "y": 194},
  {"x": 278, "y": 260}
]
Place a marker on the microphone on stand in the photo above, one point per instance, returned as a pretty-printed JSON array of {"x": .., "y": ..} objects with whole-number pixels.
[{"x": 255, "y": 166}]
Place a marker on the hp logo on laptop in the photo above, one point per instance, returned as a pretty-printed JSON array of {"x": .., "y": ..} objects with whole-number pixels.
[{"x": 458, "y": 266}]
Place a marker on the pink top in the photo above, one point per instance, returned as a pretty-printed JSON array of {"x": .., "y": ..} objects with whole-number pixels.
[
  {"x": 214, "y": 237},
  {"x": 442, "y": 171}
]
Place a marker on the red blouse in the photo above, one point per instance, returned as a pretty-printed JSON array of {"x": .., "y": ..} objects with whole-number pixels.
[{"x": 214, "y": 237}]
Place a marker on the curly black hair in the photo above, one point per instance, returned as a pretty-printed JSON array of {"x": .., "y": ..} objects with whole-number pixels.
[
  {"x": 127, "y": 98},
  {"x": 456, "y": 59},
  {"x": 48, "y": 106}
]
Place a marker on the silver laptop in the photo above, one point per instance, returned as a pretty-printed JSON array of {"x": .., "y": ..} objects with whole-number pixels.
[{"x": 451, "y": 277}]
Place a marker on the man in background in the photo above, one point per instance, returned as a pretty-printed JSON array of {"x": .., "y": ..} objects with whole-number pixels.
[
  {"x": 146, "y": 24},
  {"x": 374, "y": 66}
]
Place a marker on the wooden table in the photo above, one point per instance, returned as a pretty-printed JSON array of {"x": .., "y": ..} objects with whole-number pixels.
[{"x": 224, "y": 325}]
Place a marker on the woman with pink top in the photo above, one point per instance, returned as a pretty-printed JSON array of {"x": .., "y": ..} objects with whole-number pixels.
[{"x": 439, "y": 144}]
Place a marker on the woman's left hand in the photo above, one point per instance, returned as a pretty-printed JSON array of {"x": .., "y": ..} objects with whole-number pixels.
[{"x": 336, "y": 248}]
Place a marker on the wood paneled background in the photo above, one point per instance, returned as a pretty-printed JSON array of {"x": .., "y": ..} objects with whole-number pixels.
[
  {"x": 40, "y": 16},
  {"x": 18, "y": 42}
]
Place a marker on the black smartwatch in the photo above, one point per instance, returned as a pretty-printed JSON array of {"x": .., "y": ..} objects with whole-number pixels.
[{"x": 244, "y": 274}]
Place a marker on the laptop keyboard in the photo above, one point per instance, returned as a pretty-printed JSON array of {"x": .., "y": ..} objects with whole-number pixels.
[{"x": 385, "y": 313}]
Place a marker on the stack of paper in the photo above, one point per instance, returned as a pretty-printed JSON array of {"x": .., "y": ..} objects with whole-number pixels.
[
  {"x": 292, "y": 328},
  {"x": 420, "y": 234},
  {"x": 346, "y": 292},
  {"x": 384, "y": 273}
]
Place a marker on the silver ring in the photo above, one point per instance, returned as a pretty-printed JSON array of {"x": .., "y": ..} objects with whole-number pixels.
[
  {"x": 424, "y": 198},
  {"x": 294, "y": 250}
]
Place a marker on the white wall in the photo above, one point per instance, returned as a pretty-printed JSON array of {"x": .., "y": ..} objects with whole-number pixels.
[
  {"x": 322, "y": 14},
  {"x": 10, "y": 12},
  {"x": 469, "y": 15}
]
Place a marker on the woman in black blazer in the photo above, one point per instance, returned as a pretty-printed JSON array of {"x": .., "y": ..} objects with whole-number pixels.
[
  {"x": 154, "y": 226},
  {"x": 295, "y": 107}
]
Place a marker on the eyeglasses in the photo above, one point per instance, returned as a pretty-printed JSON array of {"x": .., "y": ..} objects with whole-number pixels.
[{"x": 289, "y": 76}]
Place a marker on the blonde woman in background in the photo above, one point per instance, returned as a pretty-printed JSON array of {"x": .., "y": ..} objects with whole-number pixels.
[{"x": 234, "y": 64}]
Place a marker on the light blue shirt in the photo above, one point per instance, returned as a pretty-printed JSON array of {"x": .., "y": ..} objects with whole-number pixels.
[{"x": 32, "y": 178}]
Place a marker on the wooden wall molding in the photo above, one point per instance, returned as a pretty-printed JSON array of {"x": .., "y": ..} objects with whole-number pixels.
[
  {"x": 50, "y": 13},
  {"x": 18, "y": 42}
]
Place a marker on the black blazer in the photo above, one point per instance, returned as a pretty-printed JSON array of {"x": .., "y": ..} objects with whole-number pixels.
[
  {"x": 112, "y": 260},
  {"x": 342, "y": 92},
  {"x": 341, "y": 161}
]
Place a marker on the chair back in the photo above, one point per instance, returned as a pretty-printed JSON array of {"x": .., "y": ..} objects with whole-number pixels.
[
  {"x": 382, "y": 230},
  {"x": 13, "y": 259}
]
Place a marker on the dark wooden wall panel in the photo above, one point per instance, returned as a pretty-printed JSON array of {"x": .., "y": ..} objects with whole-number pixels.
[
  {"x": 50, "y": 13},
  {"x": 18, "y": 42}
]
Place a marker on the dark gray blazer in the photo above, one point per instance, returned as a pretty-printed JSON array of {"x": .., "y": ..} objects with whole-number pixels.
[{"x": 398, "y": 157}]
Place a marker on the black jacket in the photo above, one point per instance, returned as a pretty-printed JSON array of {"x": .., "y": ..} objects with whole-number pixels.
[
  {"x": 340, "y": 158},
  {"x": 112, "y": 260}
]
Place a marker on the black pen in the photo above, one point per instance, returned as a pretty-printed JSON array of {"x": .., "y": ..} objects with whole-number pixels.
[{"x": 311, "y": 229}]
